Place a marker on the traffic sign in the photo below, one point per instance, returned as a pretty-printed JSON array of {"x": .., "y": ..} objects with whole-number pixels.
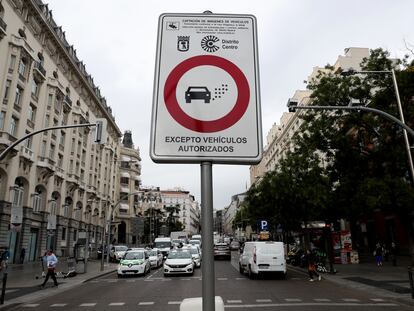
[{"x": 206, "y": 104}]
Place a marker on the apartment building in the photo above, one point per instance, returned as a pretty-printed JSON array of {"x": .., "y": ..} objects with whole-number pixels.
[
  {"x": 128, "y": 227},
  {"x": 55, "y": 186}
]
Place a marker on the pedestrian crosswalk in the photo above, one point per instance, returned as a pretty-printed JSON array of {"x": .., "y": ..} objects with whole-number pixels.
[{"x": 263, "y": 301}]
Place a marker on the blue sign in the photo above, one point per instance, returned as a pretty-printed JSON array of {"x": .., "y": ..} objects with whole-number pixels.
[{"x": 263, "y": 225}]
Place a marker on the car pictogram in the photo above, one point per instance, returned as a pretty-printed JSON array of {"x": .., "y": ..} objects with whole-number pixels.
[{"x": 197, "y": 92}]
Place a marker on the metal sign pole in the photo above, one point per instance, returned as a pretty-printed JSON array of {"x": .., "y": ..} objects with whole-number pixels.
[{"x": 207, "y": 236}]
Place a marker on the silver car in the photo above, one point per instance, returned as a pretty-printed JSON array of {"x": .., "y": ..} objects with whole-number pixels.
[{"x": 155, "y": 257}]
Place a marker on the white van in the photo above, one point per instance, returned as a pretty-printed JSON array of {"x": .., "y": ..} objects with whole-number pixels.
[{"x": 262, "y": 257}]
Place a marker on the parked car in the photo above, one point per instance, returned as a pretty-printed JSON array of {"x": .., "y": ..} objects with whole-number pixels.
[
  {"x": 234, "y": 245},
  {"x": 222, "y": 250},
  {"x": 117, "y": 252},
  {"x": 179, "y": 261},
  {"x": 262, "y": 257},
  {"x": 99, "y": 252},
  {"x": 155, "y": 258},
  {"x": 134, "y": 262}
]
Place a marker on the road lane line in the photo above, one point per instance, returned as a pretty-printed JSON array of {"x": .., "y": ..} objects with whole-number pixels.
[
  {"x": 222, "y": 279},
  {"x": 116, "y": 304},
  {"x": 314, "y": 304},
  {"x": 31, "y": 305},
  {"x": 90, "y": 304},
  {"x": 350, "y": 300},
  {"x": 59, "y": 305},
  {"x": 377, "y": 299},
  {"x": 146, "y": 303},
  {"x": 263, "y": 300},
  {"x": 293, "y": 299},
  {"x": 234, "y": 301},
  {"x": 174, "y": 302}
]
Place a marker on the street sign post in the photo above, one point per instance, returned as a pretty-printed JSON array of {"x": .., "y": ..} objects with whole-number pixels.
[{"x": 206, "y": 104}]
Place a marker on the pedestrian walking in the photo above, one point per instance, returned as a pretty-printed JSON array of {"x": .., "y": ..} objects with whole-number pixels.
[
  {"x": 310, "y": 261},
  {"x": 379, "y": 251},
  {"x": 22, "y": 255},
  {"x": 51, "y": 262},
  {"x": 4, "y": 258}
]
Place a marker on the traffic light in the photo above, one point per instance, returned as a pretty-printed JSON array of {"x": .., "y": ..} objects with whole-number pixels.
[
  {"x": 100, "y": 131},
  {"x": 292, "y": 104}
]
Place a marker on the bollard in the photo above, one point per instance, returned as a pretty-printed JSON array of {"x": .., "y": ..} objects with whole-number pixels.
[
  {"x": 410, "y": 277},
  {"x": 3, "y": 288}
]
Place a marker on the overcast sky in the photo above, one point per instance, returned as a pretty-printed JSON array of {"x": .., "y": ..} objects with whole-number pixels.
[{"x": 117, "y": 42}]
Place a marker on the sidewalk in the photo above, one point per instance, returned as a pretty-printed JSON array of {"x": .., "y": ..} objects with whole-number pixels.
[
  {"x": 23, "y": 281},
  {"x": 386, "y": 280}
]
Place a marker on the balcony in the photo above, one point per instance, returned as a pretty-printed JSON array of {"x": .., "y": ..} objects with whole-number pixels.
[
  {"x": 39, "y": 72},
  {"x": 26, "y": 153},
  {"x": 3, "y": 27},
  {"x": 67, "y": 101}
]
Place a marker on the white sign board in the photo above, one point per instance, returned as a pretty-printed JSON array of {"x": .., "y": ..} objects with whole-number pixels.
[{"x": 206, "y": 104}]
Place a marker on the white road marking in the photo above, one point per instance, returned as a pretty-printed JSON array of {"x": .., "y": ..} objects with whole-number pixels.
[
  {"x": 322, "y": 299},
  {"x": 58, "y": 305},
  {"x": 234, "y": 301},
  {"x": 377, "y": 299},
  {"x": 31, "y": 305},
  {"x": 222, "y": 279},
  {"x": 313, "y": 304},
  {"x": 350, "y": 300},
  {"x": 116, "y": 304},
  {"x": 90, "y": 304},
  {"x": 263, "y": 300},
  {"x": 293, "y": 299},
  {"x": 174, "y": 302},
  {"x": 146, "y": 303}
]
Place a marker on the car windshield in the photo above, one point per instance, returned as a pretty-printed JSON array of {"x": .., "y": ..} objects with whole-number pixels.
[
  {"x": 194, "y": 251},
  {"x": 134, "y": 255},
  {"x": 153, "y": 253},
  {"x": 195, "y": 242},
  {"x": 120, "y": 248},
  {"x": 162, "y": 244},
  {"x": 179, "y": 255}
]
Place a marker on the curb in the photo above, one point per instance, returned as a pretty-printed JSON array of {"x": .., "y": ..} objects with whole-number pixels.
[{"x": 98, "y": 276}]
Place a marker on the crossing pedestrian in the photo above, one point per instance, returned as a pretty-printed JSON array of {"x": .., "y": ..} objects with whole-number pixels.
[
  {"x": 310, "y": 261},
  {"x": 379, "y": 251},
  {"x": 51, "y": 262}
]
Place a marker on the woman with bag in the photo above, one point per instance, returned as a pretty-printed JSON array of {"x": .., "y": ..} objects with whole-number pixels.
[
  {"x": 310, "y": 260},
  {"x": 51, "y": 262}
]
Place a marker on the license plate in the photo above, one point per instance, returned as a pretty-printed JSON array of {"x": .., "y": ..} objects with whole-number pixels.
[{"x": 264, "y": 267}]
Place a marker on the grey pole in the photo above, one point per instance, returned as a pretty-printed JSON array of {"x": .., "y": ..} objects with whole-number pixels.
[
  {"x": 103, "y": 246},
  {"x": 108, "y": 241},
  {"x": 207, "y": 236},
  {"x": 407, "y": 142}
]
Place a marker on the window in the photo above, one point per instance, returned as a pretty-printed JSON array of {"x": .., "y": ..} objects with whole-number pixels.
[
  {"x": 60, "y": 160},
  {"x": 43, "y": 149},
  {"x": 19, "y": 95},
  {"x": 47, "y": 120},
  {"x": 13, "y": 126},
  {"x": 49, "y": 101},
  {"x": 52, "y": 207},
  {"x": 28, "y": 141},
  {"x": 63, "y": 233},
  {"x": 58, "y": 105},
  {"x": 2, "y": 117},
  {"x": 62, "y": 138},
  {"x": 52, "y": 151},
  {"x": 35, "y": 88},
  {"x": 31, "y": 115},
  {"x": 75, "y": 235},
  {"x": 37, "y": 202},
  {"x": 66, "y": 210},
  {"x": 22, "y": 67},
  {"x": 124, "y": 180},
  {"x": 12, "y": 63},
  {"x": 7, "y": 89},
  {"x": 17, "y": 196}
]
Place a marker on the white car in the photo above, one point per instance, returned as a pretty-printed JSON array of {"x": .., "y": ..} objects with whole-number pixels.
[
  {"x": 179, "y": 261},
  {"x": 195, "y": 253},
  {"x": 117, "y": 252},
  {"x": 134, "y": 262},
  {"x": 155, "y": 258}
]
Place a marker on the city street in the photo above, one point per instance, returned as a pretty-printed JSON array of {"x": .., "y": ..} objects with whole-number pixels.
[{"x": 156, "y": 292}]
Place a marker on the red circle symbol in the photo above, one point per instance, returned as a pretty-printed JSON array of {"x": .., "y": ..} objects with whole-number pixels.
[{"x": 242, "y": 101}]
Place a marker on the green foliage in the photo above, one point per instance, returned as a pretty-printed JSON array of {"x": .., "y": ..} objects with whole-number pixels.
[{"x": 344, "y": 164}]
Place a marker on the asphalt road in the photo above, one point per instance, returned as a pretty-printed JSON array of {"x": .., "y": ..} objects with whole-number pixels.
[{"x": 156, "y": 292}]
